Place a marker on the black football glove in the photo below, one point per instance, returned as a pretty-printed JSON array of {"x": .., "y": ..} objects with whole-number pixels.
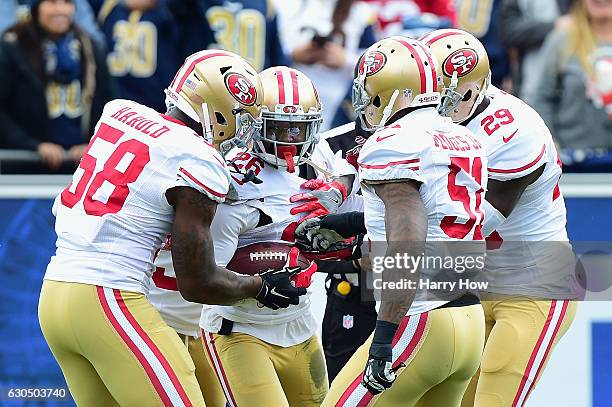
[
  {"x": 277, "y": 290},
  {"x": 379, "y": 373}
]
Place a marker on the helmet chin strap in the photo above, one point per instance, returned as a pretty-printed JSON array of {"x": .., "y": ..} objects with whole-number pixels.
[
  {"x": 388, "y": 109},
  {"x": 454, "y": 81},
  {"x": 207, "y": 126},
  {"x": 287, "y": 153},
  {"x": 318, "y": 168},
  {"x": 480, "y": 97}
]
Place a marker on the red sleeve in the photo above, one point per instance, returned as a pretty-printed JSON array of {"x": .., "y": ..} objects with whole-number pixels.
[{"x": 442, "y": 8}]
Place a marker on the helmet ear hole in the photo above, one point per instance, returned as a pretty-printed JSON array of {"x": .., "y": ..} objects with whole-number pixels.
[
  {"x": 467, "y": 96},
  {"x": 221, "y": 134},
  {"x": 376, "y": 101},
  {"x": 220, "y": 119}
]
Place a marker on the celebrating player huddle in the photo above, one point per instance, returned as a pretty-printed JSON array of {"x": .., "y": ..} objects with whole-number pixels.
[{"x": 187, "y": 240}]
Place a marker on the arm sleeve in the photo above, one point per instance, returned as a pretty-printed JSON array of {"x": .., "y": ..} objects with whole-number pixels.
[
  {"x": 207, "y": 176},
  {"x": 346, "y": 224},
  {"x": 519, "y": 31},
  {"x": 229, "y": 223}
]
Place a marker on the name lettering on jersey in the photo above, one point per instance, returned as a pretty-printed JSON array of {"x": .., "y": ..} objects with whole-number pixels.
[
  {"x": 131, "y": 118},
  {"x": 457, "y": 142}
]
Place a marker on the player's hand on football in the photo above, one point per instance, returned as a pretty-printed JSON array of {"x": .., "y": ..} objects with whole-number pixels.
[
  {"x": 324, "y": 197},
  {"x": 278, "y": 290},
  {"x": 51, "y": 154}
]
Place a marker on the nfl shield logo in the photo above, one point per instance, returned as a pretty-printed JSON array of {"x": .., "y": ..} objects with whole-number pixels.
[{"x": 347, "y": 321}]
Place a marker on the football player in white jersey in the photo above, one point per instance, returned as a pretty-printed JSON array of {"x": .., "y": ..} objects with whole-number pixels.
[
  {"x": 143, "y": 175},
  {"x": 529, "y": 264},
  {"x": 263, "y": 357},
  {"x": 422, "y": 179}
]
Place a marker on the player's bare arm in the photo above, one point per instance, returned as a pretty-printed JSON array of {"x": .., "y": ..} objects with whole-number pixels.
[
  {"x": 347, "y": 181},
  {"x": 199, "y": 278},
  {"x": 406, "y": 228},
  {"x": 504, "y": 195}
]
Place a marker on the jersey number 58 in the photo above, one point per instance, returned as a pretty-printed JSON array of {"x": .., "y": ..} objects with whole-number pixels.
[{"x": 123, "y": 167}]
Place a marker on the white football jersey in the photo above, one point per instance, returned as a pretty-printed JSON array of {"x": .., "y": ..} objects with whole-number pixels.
[
  {"x": 518, "y": 142},
  {"x": 236, "y": 225},
  {"x": 114, "y": 215},
  {"x": 451, "y": 165}
]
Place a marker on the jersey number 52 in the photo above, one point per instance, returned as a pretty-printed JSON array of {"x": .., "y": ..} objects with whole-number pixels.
[{"x": 121, "y": 168}]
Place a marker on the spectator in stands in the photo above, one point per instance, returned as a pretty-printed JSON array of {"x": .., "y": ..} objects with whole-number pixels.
[
  {"x": 325, "y": 39},
  {"x": 13, "y": 11},
  {"x": 479, "y": 17},
  {"x": 54, "y": 84},
  {"x": 145, "y": 45},
  {"x": 523, "y": 26},
  {"x": 393, "y": 16},
  {"x": 411, "y": 18},
  {"x": 195, "y": 33},
  {"x": 247, "y": 27},
  {"x": 574, "y": 83}
]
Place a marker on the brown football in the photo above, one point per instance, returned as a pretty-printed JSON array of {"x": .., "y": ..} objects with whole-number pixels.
[{"x": 259, "y": 257}]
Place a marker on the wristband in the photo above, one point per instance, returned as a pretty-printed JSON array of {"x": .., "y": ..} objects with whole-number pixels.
[
  {"x": 383, "y": 338},
  {"x": 345, "y": 224}
]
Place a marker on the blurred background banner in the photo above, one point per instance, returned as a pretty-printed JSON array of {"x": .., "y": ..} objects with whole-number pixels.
[{"x": 27, "y": 241}]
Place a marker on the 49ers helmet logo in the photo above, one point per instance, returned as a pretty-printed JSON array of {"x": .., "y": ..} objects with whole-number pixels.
[
  {"x": 371, "y": 63},
  {"x": 241, "y": 88},
  {"x": 462, "y": 61}
]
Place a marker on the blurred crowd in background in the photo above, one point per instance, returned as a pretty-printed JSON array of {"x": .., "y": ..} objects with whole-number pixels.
[{"x": 62, "y": 60}]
